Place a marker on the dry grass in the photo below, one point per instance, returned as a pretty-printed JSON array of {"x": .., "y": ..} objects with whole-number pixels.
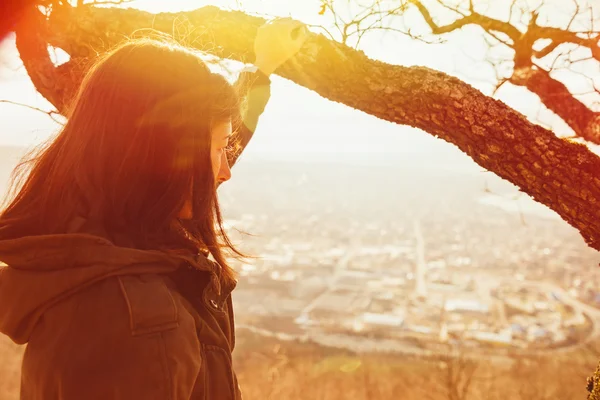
[
  {"x": 295, "y": 372},
  {"x": 286, "y": 371}
]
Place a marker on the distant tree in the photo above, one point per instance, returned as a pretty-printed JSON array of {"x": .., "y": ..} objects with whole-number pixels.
[
  {"x": 454, "y": 379},
  {"x": 458, "y": 377}
]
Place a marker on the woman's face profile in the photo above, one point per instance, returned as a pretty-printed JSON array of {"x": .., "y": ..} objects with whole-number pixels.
[{"x": 220, "y": 135}]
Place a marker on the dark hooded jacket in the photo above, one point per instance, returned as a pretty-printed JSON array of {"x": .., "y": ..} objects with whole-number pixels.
[{"x": 107, "y": 322}]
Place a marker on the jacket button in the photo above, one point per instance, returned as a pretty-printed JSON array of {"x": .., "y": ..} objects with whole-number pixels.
[{"x": 214, "y": 303}]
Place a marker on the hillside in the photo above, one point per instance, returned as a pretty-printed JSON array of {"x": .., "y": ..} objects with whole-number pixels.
[{"x": 269, "y": 369}]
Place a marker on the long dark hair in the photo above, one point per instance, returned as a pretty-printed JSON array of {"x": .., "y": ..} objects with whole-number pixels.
[{"x": 136, "y": 144}]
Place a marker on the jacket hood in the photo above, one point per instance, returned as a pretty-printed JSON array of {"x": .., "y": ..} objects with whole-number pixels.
[{"x": 43, "y": 270}]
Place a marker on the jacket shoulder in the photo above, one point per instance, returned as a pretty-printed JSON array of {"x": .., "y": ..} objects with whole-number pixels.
[{"x": 150, "y": 304}]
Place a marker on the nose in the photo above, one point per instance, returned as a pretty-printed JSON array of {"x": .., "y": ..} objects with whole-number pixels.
[{"x": 224, "y": 171}]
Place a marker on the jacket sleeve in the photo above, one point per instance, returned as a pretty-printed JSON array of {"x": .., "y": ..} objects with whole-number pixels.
[{"x": 254, "y": 89}]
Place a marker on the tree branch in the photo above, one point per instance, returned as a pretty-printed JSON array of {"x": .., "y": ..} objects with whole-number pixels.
[
  {"x": 52, "y": 113},
  {"x": 487, "y": 23},
  {"x": 557, "y": 98},
  {"x": 560, "y": 36},
  {"x": 577, "y": 115},
  {"x": 564, "y": 176}
]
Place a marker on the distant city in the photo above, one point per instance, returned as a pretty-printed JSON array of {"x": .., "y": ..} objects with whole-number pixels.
[
  {"x": 391, "y": 259},
  {"x": 406, "y": 258}
]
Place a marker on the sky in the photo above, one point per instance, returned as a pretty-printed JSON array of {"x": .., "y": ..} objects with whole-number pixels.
[{"x": 299, "y": 124}]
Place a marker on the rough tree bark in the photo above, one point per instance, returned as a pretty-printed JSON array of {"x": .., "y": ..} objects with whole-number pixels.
[{"x": 563, "y": 175}]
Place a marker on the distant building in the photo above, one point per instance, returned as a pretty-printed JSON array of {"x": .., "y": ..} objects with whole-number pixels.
[
  {"x": 471, "y": 305},
  {"x": 502, "y": 337},
  {"x": 577, "y": 319},
  {"x": 304, "y": 320},
  {"x": 382, "y": 319},
  {"x": 420, "y": 329},
  {"x": 420, "y": 265},
  {"x": 444, "y": 332},
  {"x": 535, "y": 333}
]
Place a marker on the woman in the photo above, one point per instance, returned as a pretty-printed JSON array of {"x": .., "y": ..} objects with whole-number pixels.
[{"x": 107, "y": 241}]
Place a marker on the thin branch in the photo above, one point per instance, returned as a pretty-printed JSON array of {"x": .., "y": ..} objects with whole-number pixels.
[
  {"x": 575, "y": 14},
  {"x": 338, "y": 21},
  {"x": 534, "y": 32},
  {"x": 406, "y": 33},
  {"x": 511, "y": 10},
  {"x": 453, "y": 9},
  {"x": 500, "y": 83},
  {"x": 487, "y": 23},
  {"x": 377, "y": 24},
  {"x": 102, "y": 2},
  {"x": 499, "y": 39},
  {"x": 546, "y": 50},
  {"x": 561, "y": 36},
  {"x": 331, "y": 36},
  {"x": 53, "y": 114}
]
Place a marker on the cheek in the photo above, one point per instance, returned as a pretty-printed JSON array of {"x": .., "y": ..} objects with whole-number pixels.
[{"x": 215, "y": 159}]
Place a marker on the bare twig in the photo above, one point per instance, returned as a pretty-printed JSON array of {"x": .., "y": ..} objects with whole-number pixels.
[
  {"x": 487, "y": 23},
  {"x": 521, "y": 32},
  {"x": 53, "y": 114},
  {"x": 101, "y": 2}
]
